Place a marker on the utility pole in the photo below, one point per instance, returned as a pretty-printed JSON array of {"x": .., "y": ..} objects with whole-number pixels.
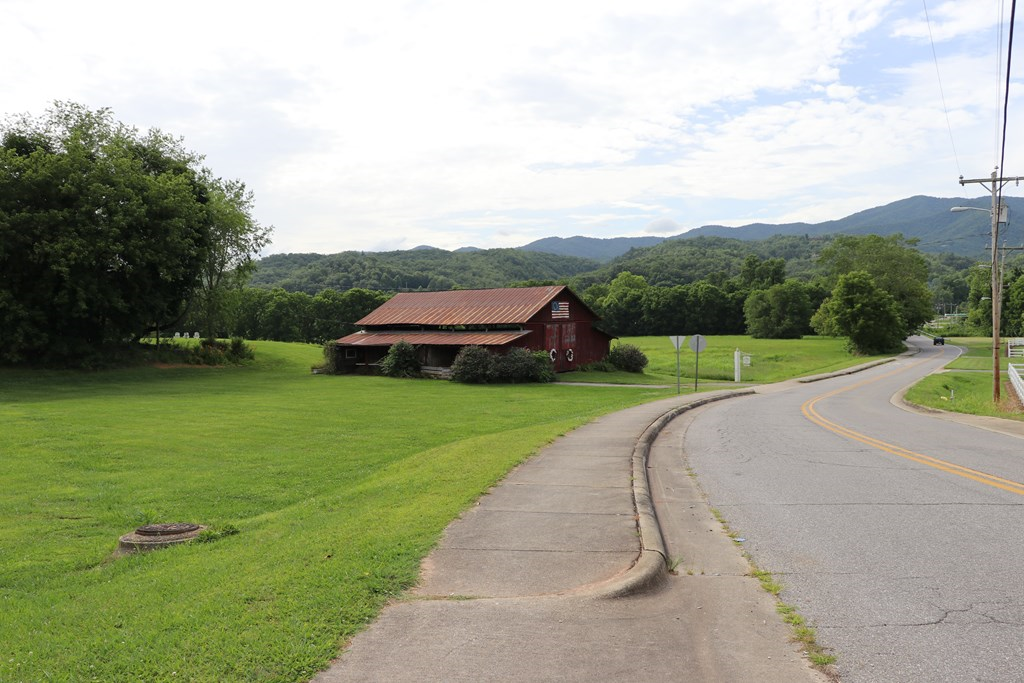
[{"x": 996, "y": 184}]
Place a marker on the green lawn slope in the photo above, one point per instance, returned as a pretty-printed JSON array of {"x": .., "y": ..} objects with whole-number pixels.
[{"x": 338, "y": 487}]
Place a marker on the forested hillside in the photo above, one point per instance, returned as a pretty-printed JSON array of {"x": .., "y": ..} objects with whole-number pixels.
[
  {"x": 418, "y": 269},
  {"x": 672, "y": 262},
  {"x": 680, "y": 262}
]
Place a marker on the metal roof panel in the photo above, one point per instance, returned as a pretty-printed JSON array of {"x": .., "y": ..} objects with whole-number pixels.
[
  {"x": 510, "y": 306},
  {"x": 432, "y": 338}
]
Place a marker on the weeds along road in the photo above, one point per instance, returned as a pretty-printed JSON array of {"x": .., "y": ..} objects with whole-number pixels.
[{"x": 898, "y": 536}]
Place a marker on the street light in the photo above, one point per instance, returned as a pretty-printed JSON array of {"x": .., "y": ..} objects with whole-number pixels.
[{"x": 999, "y": 215}]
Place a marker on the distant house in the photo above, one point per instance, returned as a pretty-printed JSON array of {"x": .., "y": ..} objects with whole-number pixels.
[{"x": 438, "y": 324}]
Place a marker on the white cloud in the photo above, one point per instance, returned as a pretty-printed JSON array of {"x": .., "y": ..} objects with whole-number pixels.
[
  {"x": 950, "y": 20},
  {"x": 663, "y": 226},
  {"x": 454, "y": 122}
]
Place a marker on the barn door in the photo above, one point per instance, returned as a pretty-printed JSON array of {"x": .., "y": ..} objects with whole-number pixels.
[
  {"x": 560, "y": 342},
  {"x": 569, "y": 351},
  {"x": 551, "y": 344}
]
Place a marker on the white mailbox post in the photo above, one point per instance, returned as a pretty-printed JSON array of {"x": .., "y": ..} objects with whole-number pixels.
[{"x": 677, "y": 341}]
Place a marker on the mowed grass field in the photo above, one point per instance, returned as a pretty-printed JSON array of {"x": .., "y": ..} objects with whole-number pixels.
[
  {"x": 771, "y": 360},
  {"x": 966, "y": 387},
  {"x": 338, "y": 487}
]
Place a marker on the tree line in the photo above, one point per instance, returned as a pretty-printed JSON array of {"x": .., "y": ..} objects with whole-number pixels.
[
  {"x": 874, "y": 290},
  {"x": 280, "y": 315}
]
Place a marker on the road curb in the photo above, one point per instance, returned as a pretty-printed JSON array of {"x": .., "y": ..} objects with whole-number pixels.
[
  {"x": 651, "y": 568},
  {"x": 847, "y": 371}
]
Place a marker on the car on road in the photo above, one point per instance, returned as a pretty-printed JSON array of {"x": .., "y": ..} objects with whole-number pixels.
[{"x": 938, "y": 341}]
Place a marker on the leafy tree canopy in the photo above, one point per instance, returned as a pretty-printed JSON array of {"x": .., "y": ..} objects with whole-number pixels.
[
  {"x": 104, "y": 233},
  {"x": 895, "y": 267},
  {"x": 863, "y": 312},
  {"x": 780, "y": 312}
]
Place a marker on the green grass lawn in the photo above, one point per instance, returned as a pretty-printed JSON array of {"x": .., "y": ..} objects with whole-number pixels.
[
  {"x": 772, "y": 360},
  {"x": 977, "y": 353},
  {"x": 967, "y": 386},
  {"x": 338, "y": 485}
]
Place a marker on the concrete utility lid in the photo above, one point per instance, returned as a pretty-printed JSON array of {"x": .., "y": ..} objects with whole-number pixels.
[{"x": 153, "y": 536}]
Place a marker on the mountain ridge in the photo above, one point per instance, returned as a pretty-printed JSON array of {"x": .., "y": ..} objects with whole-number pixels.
[{"x": 927, "y": 219}]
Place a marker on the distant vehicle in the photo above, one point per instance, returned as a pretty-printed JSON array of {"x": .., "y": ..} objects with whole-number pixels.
[{"x": 938, "y": 341}]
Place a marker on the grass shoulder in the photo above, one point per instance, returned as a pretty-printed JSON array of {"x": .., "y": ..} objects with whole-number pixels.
[{"x": 965, "y": 386}]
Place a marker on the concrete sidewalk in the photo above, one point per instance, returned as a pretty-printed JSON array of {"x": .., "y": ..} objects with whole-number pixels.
[{"x": 559, "y": 573}]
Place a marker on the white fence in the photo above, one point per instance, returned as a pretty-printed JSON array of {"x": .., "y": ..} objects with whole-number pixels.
[
  {"x": 1015, "y": 348},
  {"x": 1018, "y": 384}
]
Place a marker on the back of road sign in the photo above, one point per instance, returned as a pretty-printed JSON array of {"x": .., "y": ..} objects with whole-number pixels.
[
  {"x": 677, "y": 340},
  {"x": 698, "y": 343}
]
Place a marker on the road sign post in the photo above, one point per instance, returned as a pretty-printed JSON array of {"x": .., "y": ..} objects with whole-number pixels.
[
  {"x": 677, "y": 341},
  {"x": 697, "y": 344}
]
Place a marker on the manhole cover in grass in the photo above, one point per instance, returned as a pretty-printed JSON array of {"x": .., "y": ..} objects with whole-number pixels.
[
  {"x": 153, "y": 536},
  {"x": 166, "y": 529}
]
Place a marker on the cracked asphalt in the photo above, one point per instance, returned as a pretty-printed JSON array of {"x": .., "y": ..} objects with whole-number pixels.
[{"x": 909, "y": 568}]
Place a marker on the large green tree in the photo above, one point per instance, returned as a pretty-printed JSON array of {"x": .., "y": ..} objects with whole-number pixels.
[
  {"x": 105, "y": 233},
  {"x": 895, "y": 267},
  {"x": 237, "y": 238},
  {"x": 1013, "y": 307},
  {"x": 863, "y": 312},
  {"x": 782, "y": 311}
]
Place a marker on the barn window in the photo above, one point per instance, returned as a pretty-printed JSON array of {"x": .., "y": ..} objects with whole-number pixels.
[{"x": 350, "y": 353}]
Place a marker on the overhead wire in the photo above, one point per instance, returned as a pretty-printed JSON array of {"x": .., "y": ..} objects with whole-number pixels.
[
  {"x": 1006, "y": 97},
  {"x": 942, "y": 93},
  {"x": 998, "y": 124}
]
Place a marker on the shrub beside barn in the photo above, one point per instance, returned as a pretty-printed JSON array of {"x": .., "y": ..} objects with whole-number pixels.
[{"x": 438, "y": 324}]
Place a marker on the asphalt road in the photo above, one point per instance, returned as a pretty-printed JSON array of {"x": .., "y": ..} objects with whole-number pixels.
[{"x": 899, "y": 536}]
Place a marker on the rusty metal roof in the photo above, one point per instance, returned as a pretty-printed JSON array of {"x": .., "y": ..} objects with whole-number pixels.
[
  {"x": 514, "y": 305},
  {"x": 433, "y": 338}
]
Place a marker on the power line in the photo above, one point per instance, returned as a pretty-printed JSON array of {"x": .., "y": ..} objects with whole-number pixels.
[
  {"x": 942, "y": 93},
  {"x": 1006, "y": 91},
  {"x": 999, "y": 127},
  {"x": 1006, "y": 95}
]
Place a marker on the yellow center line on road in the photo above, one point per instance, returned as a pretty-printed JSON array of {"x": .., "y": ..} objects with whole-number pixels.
[{"x": 808, "y": 409}]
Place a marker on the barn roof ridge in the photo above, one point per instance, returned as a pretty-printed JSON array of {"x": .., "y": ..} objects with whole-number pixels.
[{"x": 495, "y": 306}]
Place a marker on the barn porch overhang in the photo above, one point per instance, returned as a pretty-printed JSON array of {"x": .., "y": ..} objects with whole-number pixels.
[{"x": 435, "y": 338}]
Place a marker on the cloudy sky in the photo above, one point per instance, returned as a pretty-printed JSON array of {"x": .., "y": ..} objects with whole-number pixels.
[{"x": 387, "y": 124}]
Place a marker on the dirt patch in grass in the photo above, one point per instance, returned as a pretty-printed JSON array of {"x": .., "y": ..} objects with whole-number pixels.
[
  {"x": 1010, "y": 402},
  {"x": 172, "y": 366}
]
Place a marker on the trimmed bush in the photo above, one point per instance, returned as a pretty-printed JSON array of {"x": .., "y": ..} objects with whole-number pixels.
[
  {"x": 546, "y": 369},
  {"x": 628, "y": 358},
  {"x": 597, "y": 366},
  {"x": 238, "y": 350},
  {"x": 209, "y": 352},
  {"x": 330, "y": 365},
  {"x": 477, "y": 365},
  {"x": 473, "y": 365},
  {"x": 401, "y": 361},
  {"x": 520, "y": 365}
]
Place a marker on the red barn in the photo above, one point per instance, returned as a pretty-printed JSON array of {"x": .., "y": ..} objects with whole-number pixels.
[{"x": 438, "y": 324}]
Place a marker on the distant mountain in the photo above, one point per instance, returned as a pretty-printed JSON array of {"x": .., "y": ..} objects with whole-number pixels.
[
  {"x": 927, "y": 219},
  {"x": 595, "y": 248}
]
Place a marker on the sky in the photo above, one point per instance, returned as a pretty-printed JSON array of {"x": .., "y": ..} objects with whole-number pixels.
[{"x": 385, "y": 125}]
